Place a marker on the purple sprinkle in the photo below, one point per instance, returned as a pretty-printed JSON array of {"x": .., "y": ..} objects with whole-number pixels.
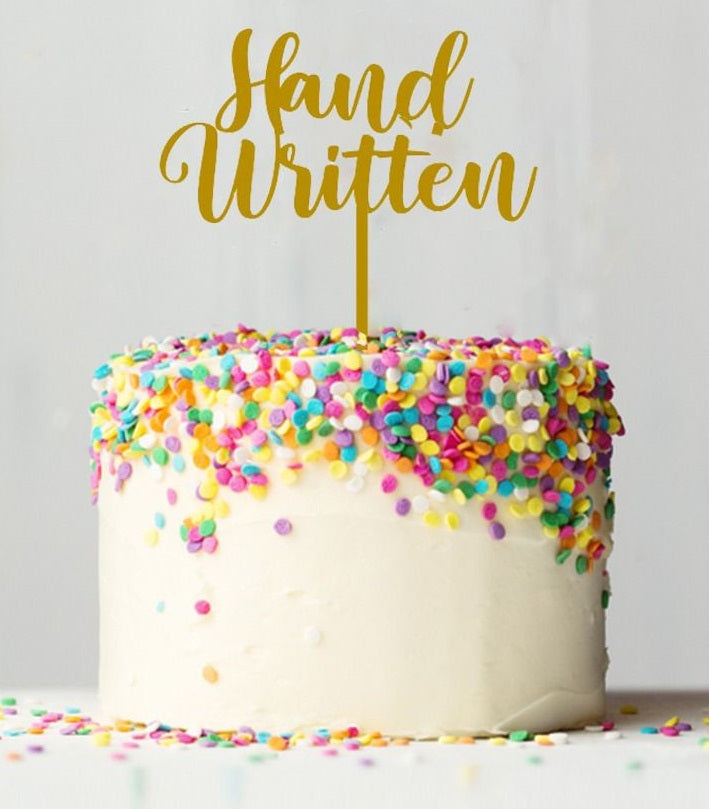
[
  {"x": 282, "y": 526},
  {"x": 211, "y": 382},
  {"x": 377, "y": 420},
  {"x": 498, "y": 432},
  {"x": 172, "y": 443},
  {"x": 276, "y": 417},
  {"x": 194, "y": 547},
  {"x": 497, "y": 530},
  {"x": 403, "y": 506},
  {"x": 35, "y": 748},
  {"x": 438, "y": 388},
  {"x": 125, "y": 470},
  {"x": 344, "y": 438},
  {"x": 378, "y": 367},
  {"x": 683, "y": 726}
]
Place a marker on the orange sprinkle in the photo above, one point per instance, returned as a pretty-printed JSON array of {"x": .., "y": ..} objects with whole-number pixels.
[
  {"x": 482, "y": 448},
  {"x": 556, "y": 470},
  {"x": 484, "y": 360},
  {"x": 210, "y": 443},
  {"x": 378, "y": 742},
  {"x": 201, "y": 430},
  {"x": 201, "y": 461},
  {"x": 36, "y": 731},
  {"x": 502, "y": 450},
  {"x": 401, "y": 741},
  {"x": 277, "y": 743},
  {"x": 567, "y": 543},
  {"x": 596, "y": 520},
  {"x": 528, "y": 354},
  {"x": 369, "y": 435},
  {"x": 466, "y": 740},
  {"x": 331, "y": 451},
  {"x": 404, "y": 464}
]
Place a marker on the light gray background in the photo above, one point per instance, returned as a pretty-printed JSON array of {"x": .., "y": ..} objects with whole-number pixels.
[{"x": 609, "y": 99}]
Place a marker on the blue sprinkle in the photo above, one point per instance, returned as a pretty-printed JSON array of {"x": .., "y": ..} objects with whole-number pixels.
[
  {"x": 407, "y": 380},
  {"x": 294, "y": 398},
  {"x": 273, "y": 435},
  {"x": 505, "y": 488},
  {"x": 393, "y": 418},
  {"x": 562, "y": 446},
  {"x": 435, "y": 465},
  {"x": 489, "y": 398},
  {"x": 102, "y": 371},
  {"x": 315, "y": 407},
  {"x": 250, "y": 469},
  {"x": 411, "y": 415},
  {"x": 227, "y": 362},
  {"x": 369, "y": 380},
  {"x": 444, "y": 423},
  {"x": 186, "y": 373},
  {"x": 263, "y": 736},
  {"x": 178, "y": 463},
  {"x": 319, "y": 370},
  {"x": 456, "y": 368},
  {"x": 565, "y": 500},
  {"x": 146, "y": 379},
  {"x": 443, "y": 409},
  {"x": 481, "y": 486},
  {"x": 159, "y": 520},
  {"x": 300, "y": 418},
  {"x": 348, "y": 454}
]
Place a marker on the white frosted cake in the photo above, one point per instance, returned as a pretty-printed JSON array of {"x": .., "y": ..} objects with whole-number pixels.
[{"x": 312, "y": 529}]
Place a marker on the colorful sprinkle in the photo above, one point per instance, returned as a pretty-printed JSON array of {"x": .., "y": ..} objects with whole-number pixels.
[
  {"x": 202, "y": 607},
  {"x": 283, "y": 526}
]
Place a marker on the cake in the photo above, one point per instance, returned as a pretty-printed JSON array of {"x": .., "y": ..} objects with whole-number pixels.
[{"x": 317, "y": 529}]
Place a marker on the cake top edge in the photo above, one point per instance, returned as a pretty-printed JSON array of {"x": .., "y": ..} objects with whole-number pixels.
[{"x": 389, "y": 344}]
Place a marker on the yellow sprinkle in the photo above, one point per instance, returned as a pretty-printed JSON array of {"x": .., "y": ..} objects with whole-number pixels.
[
  {"x": 312, "y": 455},
  {"x": 428, "y": 366},
  {"x": 314, "y": 422},
  {"x": 261, "y": 395},
  {"x": 535, "y": 506},
  {"x": 419, "y": 433},
  {"x": 583, "y": 404},
  {"x": 447, "y": 739},
  {"x": 491, "y": 484},
  {"x": 670, "y": 723},
  {"x": 410, "y": 400},
  {"x": 535, "y": 443},
  {"x": 278, "y": 396},
  {"x": 221, "y": 508},
  {"x": 338, "y": 469},
  {"x": 516, "y": 442},
  {"x": 210, "y": 674},
  {"x": 365, "y": 739},
  {"x": 151, "y": 537},
  {"x": 375, "y": 462},
  {"x": 352, "y": 360},
  {"x": 628, "y": 710},
  {"x": 518, "y": 509},
  {"x": 420, "y": 382},
  {"x": 452, "y": 520},
  {"x": 209, "y": 489},
  {"x": 457, "y": 385},
  {"x": 101, "y": 739},
  {"x": 476, "y": 472},
  {"x": 429, "y": 447},
  {"x": 432, "y": 518},
  {"x": 497, "y": 741},
  {"x": 484, "y": 424},
  {"x": 257, "y": 492},
  {"x": 705, "y": 719},
  {"x": 543, "y": 740},
  {"x": 566, "y": 484},
  {"x": 458, "y": 496},
  {"x": 518, "y": 373}
]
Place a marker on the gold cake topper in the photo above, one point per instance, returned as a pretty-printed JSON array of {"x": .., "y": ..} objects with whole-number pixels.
[{"x": 285, "y": 91}]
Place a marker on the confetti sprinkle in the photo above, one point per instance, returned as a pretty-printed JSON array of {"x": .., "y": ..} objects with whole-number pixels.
[
  {"x": 283, "y": 527},
  {"x": 527, "y": 422}
]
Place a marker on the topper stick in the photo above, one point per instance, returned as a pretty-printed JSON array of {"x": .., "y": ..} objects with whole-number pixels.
[{"x": 361, "y": 271}]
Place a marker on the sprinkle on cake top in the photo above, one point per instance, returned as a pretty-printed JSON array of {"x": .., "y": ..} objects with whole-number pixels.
[{"x": 522, "y": 427}]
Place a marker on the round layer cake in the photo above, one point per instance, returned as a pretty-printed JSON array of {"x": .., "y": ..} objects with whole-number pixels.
[{"x": 317, "y": 529}]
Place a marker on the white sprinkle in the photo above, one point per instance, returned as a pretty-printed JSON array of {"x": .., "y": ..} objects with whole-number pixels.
[
  {"x": 497, "y": 384},
  {"x": 249, "y": 363},
  {"x": 337, "y": 424},
  {"x": 171, "y": 425},
  {"x": 456, "y": 401},
  {"x": 559, "y": 738},
  {"x": 312, "y": 636},
  {"x": 583, "y": 451},
  {"x": 434, "y": 494},
  {"x": 393, "y": 374},
  {"x": 594, "y": 728},
  {"x": 537, "y": 397},
  {"x": 472, "y": 433},
  {"x": 285, "y": 452},
  {"x": 234, "y": 402},
  {"x": 497, "y": 414},
  {"x": 218, "y": 420},
  {"x": 355, "y": 484},
  {"x": 521, "y": 493},
  {"x": 360, "y": 468},
  {"x": 524, "y": 397},
  {"x": 530, "y": 426},
  {"x": 338, "y": 388},
  {"x": 612, "y": 735},
  {"x": 419, "y": 503},
  {"x": 308, "y": 388},
  {"x": 147, "y": 441},
  {"x": 241, "y": 456},
  {"x": 352, "y": 422}
]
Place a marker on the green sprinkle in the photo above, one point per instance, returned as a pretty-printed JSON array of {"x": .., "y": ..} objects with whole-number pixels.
[
  {"x": 193, "y": 414},
  {"x": 184, "y": 531},
  {"x": 401, "y": 430},
  {"x": 304, "y": 436},
  {"x": 413, "y": 365},
  {"x": 38, "y": 711},
  {"x": 552, "y": 449},
  {"x": 535, "y": 759},
  {"x": 509, "y": 399},
  {"x": 8, "y": 702},
  {"x": 142, "y": 354},
  {"x": 467, "y": 488},
  {"x": 609, "y": 508},
  {"x": 562, "y": 556},
  {"x": 159, "y": 384},
  {"x": 205, "y": 416},
  {"x": 511, "y": 460},
  {"x": 581, "y": 563},
  {"x": 444, "y": 486},
  {"x": 200, "y": 373},
  {"x": 369, "y": 400},
  {"x": 251, "y": 410},
  {"x": 519, "y": 736},
  {"x": 605, "y": 598},
  {"x": 160, "y": 456},
  {"x": 325, "y": 429},
  {"x": 207, "y": 528},
  {"x": 332, "y": 368}
]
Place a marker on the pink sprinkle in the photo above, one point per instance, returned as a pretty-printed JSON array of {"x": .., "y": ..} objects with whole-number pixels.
[
  {"x": 301, "y": 368},
  {"x": 171, "y": 496},
  {"x": 116, "y": 756},
  {"x": 489, "y": 511},
  {"x": 668, "y": 730},
  {"x": 352, "y": 731},
  {"x": 607, "y": 725},
  {"x": 389, "y": 484},
  {"x": 210, "y": 544},
  {"x": 351, "y": 744},
  {"x": 202, "y": 607},
  {"x": 390, "y": 359},
  {"x": 329, "y": 751}
]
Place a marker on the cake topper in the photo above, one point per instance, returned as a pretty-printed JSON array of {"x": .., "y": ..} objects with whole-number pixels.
[{"x": 285, "y": 91}]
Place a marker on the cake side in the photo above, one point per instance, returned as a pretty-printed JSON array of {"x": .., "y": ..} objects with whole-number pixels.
[{"x": 439, "y": 506}]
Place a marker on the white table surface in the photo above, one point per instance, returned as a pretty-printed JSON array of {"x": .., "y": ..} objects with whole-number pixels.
[{"x": 593, "y": 769}]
